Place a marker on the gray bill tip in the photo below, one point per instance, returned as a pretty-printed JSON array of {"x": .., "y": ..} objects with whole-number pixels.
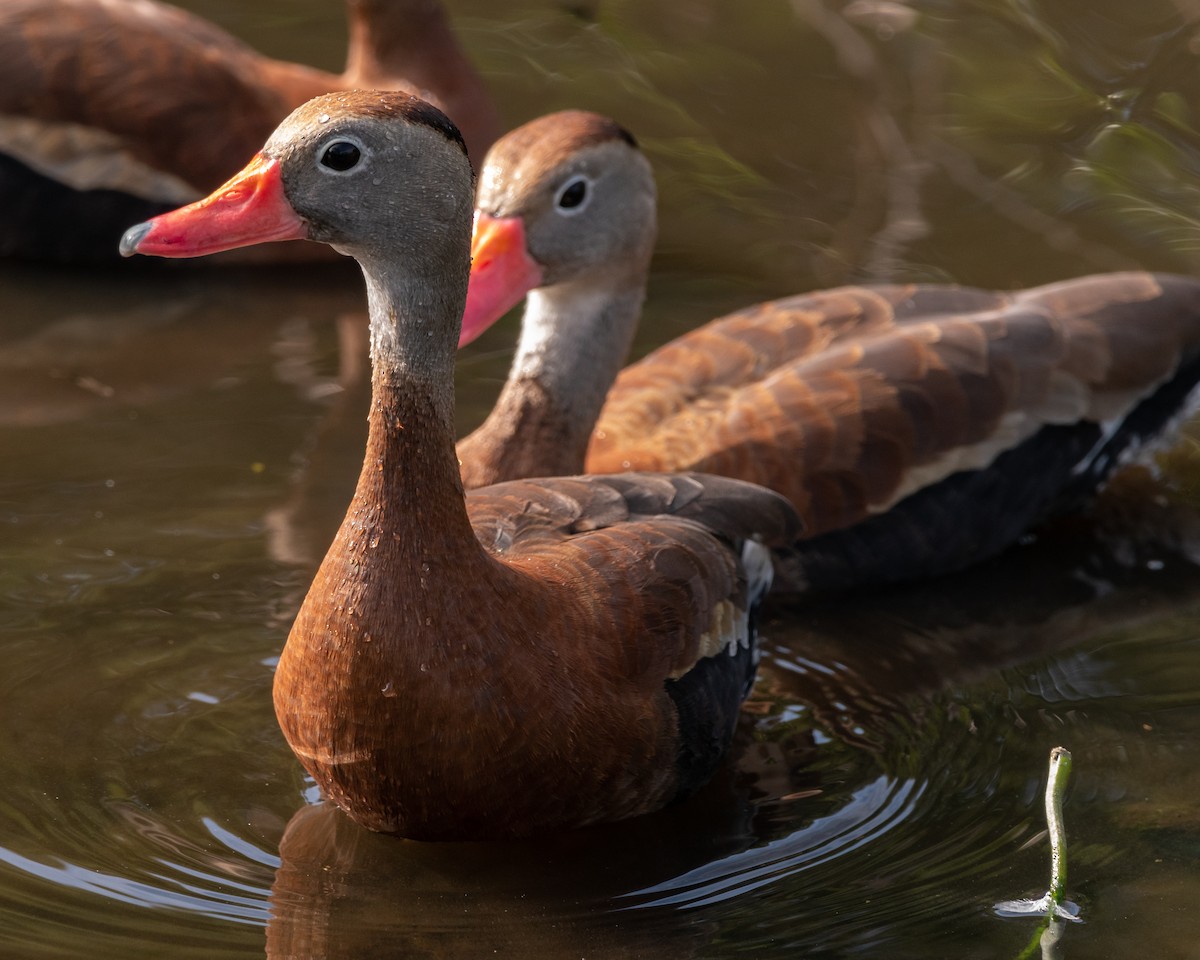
[{"x": 133, "y": 236}]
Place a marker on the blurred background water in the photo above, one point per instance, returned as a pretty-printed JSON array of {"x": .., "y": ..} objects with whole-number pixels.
[{"x": 177, "y": 443}]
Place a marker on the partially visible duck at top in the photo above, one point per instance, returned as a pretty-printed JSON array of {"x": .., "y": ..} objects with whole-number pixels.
[
  {"x": 114, "y": 110},
  {"x": 537, "y": 655},
  {"x": 916, "y": 428}
]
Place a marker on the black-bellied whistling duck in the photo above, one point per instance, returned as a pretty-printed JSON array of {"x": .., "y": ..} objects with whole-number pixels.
[
  {"x": 542, "y": 654},
  {"x": 916, "y": 428},
  {"x": 114, "y": 110}
]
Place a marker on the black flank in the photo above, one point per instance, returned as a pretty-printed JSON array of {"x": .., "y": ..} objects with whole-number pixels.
[{"x": 708, "y": 700}]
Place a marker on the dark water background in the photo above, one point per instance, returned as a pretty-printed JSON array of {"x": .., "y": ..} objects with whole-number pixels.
[{"x": 175, "y": 443}]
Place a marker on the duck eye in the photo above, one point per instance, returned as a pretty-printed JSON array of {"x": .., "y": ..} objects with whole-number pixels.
[
  {"x": 341, "y": 155},
  {"x": 573, "y": 195}
]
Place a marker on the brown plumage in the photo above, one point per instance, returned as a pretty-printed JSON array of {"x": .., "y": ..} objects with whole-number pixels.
[
  {"x": 122, "y": 108},
  {"x": 881, "y": 411},
  {"x": 545, "y": 654}
]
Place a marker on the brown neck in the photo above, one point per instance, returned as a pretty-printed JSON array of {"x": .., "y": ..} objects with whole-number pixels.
[
  {"x": 409, "y": 496},
  {"x": 409, "y": 491},
  {"x": 392, "y": 37},
  {"x": 409, "y": 43},
  {"x": 527, "y": 434},
  {"x": 573, "y": 342}
]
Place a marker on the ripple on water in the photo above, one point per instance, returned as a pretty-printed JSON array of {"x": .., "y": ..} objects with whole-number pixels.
[{"x": 143, "y": 883}]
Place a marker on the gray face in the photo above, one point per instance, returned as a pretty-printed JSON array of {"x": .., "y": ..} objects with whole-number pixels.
[
  {"x": 590, "y": 213},
  {"x": 375, "y": 183}
]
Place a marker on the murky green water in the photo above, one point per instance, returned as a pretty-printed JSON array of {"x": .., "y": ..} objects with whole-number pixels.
[{"x": 175, "y": 444}]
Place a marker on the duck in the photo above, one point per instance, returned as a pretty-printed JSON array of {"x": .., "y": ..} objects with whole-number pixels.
[
  {"x": 114, "y": 110},
  {"x": 916, "y": 428},
  {"x": 530, "y": 657}
]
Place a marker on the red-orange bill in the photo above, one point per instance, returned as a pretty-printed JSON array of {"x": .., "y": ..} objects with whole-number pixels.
[
  {"x": 502, "y": 272},
  {"x": 249, "y": 208}
]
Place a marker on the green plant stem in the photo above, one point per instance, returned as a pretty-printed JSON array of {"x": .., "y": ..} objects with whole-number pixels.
[{"x": 1060, "y": 772}]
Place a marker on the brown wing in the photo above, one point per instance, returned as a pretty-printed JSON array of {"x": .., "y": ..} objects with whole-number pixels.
[
  {"x": 666, "y": 548},
  {"x": 670, "y": 576},
  {"x": 748, "y": 345},
  {"x": 173, "y": 90},
  {"x": 883, "y": 392}
]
